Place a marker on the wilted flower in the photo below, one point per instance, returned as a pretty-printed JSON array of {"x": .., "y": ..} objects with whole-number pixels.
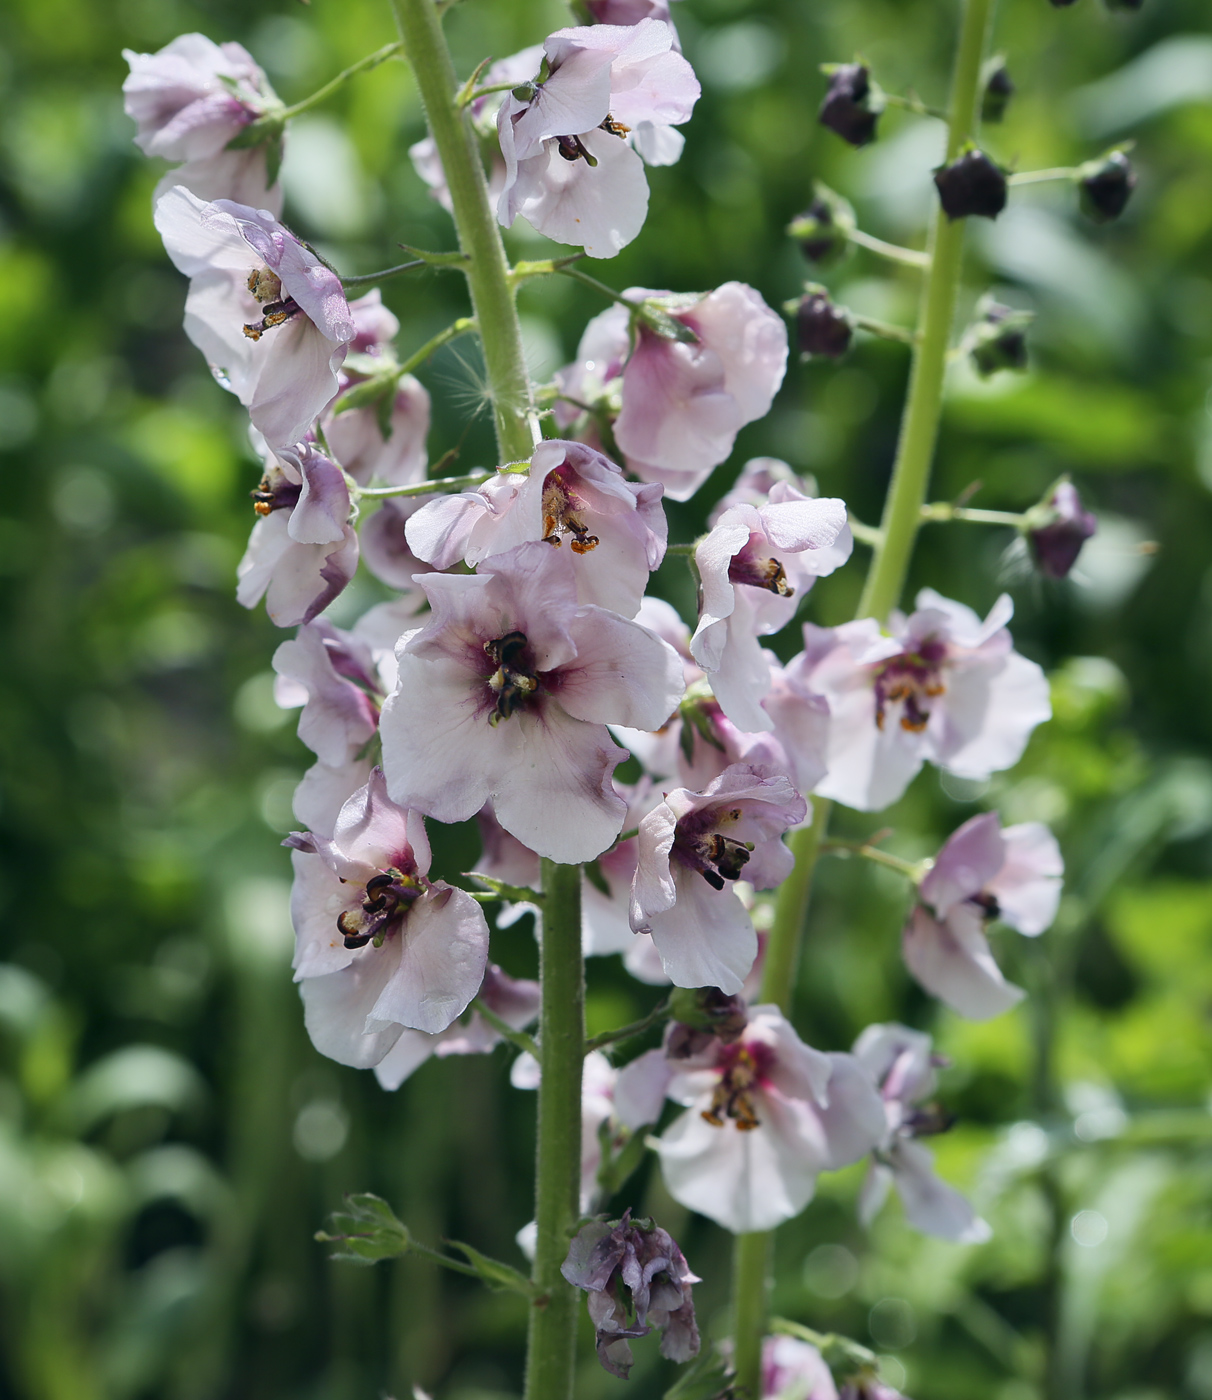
[
  {"x": 851, "y": 107},
  {"x": 981, "y": 874},
  {"x": 506, "y": 694},
  {"x": 944, "y": 686},
  {"x": 637, "y": 1280},
  {"x": 270, "y": 318},
  {"x": 380, "y": 947},
  {"x": 1057, "y": 528},
  {"x": 901, "y": 1063},
  {"x": 971, "y": 184},
  {"x": 691, "y": 847}
]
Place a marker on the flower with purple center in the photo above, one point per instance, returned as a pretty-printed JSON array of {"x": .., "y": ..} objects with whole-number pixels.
[
  {"x": 380, "y": 947},
  {"x": 1057, "y": 528},
  {"x": 506, "y": 694},
  {"x": 983, "y": 873},
  {"x": 901, "y": 1062},
  {"x": 303, "y": 550},
  {"x": 638, "y": 1281},
  {"x": 692, "y": 847},
  {"x": 270, "y": 318},
  {"x": 615, "y": 530},
  {"x": 944, "y": 686},
  {"x": 754, "y": 566},
  {"x": 188, "y": 101}
]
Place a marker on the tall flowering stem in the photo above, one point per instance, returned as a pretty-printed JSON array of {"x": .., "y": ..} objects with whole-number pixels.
[
  {"x": 486, "y": 269},
  {"x": 551, "y": 1341},
  {"x": 885, "y": 579}
]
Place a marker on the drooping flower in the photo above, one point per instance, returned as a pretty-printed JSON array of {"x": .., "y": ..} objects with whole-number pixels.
[
  {"x": 380, "y": 947},
  {"x": 302, "y": 551},
  {"x": 638, "y": 1281},
  {"x": 944, "y": 686},
  {"x": 754, "y": 565},
  {"x": 795, "y": 1370},
  {"x": 516, "y": 1001},
  {"x": 691, "y": 847},
  {"x": 902, "y": 1064},
  {"x": 1057, "y": 528},
  {"x": 188, "y": 101},
  {"x": 981, "y": 874},
  {"x": 572, "y": 495},
  {"x": 270, "y": 318},
  {"x": 570, "y": 141},
  {"x": 766, "y": 1115},
  {"x": 505, "y": 695}
]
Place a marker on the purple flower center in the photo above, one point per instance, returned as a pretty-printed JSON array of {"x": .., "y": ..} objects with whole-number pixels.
[
  {"x": 715, "y": 856},
  {"x": 561, "y": 515},
  {"x": 913, "y": 679},
  {"x": 275, "y": 491},
  {"x": 742, "y": 1069},
  {"x": 266, "y": 286},
  {"x": 753, "y": 567},
  {"x": 385, "y": 901},
  {"x": 514, "y": 682}
]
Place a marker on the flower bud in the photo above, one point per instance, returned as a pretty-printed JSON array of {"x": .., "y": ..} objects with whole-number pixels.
[
  {"x": 822, "y": 327},
  {"x": 972, "y": 184},
  {"x": 852, "y": 106},
  {"x": 1106, "y": 185},
  {"x": 997, "y": 340},
  {"x": 824, "y": 228},
  {"x": 998, "y": 89},
  {"x": 1057, "y": 528},
  {"x": 708, "y": 1010}
]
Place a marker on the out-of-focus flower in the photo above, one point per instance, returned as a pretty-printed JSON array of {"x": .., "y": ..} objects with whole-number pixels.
[
  {"x": 691, "y": 847},
  {"x": 637, "y": 1280},
  {"x": 505, "y": 695},
  {"x": 944, "y": 686},
  {"x": 188, "y": 101},
  {"x": 270, "y": 318},
  {"x": 901, "y": 1063},
  {"x": 615, "y": 530},
  {"x": 1057, "y": 528},
  {"x": 981, "y": 874},
  {"x": 380, "y": 947},
  {"x": 795, "y": 1370},
  {"x": 821, "y": 326},
  {"x": 852, "y": 104},
  {"x": 996, "y": 91},
  {"x": 1105, "y": 186}
]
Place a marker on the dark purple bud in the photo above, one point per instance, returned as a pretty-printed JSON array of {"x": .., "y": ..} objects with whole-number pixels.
[
  {"x": 1106, "y": 185},
  {"x": 851, "y": 107},
  {"x": 973, "y": 184},
  {"x": 824, "y": 228},
  {"x": 998, "y": 90},
  {"x": 822, "y": 328},
  {"x": 998, "y": 339},
  {"x": 701, "y": 1014},
  {"x": 1057, "y": 528}
]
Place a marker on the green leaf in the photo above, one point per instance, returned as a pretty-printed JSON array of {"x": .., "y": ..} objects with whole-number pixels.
[
  {"x": 499, "y": 1277},
  {"x": 367, "y": 1230}
]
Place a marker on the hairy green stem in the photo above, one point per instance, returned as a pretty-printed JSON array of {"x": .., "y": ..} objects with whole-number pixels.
[
  {"x": 751, "y": 1259},
  {"x": 551, "y": 1341},
  {"x": 426, "y": 488},
  {"x": 486, "y": 269}
]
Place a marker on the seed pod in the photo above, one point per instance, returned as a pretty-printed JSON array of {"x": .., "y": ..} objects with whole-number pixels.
[
  {"x": 852, "y": 106},
  {"x": 997, "y": 340},
  {"x": 998, "y": 89},
  {"x": 1106, "y": 184},
  {"x": 973, "y": 184},
  {"x": 822, "y": 327}
]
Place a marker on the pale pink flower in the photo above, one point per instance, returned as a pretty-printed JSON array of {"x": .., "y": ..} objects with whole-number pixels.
[
  {"x": 943, "y": 686},
  {"x": 380, "y": 947},
  {"x": 506, "y": 694},
  {"x": 303, "y": 551},
  {"x": 758, "y": 477},
  {"x": 614, "y": 529},
  {"x": 795, "y": 1370},
  {"x": 324, "y": 790},
  {"x": 385, "y": 546},
  {"x": 754, "y": 567},
  {"x": 691, "y": 847},
  {"x": 333, "y": 676},
  {"x": 981, "y": 874},
  {"x": 766, "y": 1115},
  {"x": 902, "y": 1064},
  {"x": 270, "y": 318}
]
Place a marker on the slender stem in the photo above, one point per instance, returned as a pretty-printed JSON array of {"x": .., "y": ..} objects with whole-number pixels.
[
  {"x": 487, "y": 270},
  {"x": 456, "y": 1265},
  {"x": 919, "y": 425},
  {"x": 751, "y": 1259},
  {"x": 912, "y": 870},
  {"x": 551, "y": 1343},
  {"x": 791, "y": 909},
  {"x": 1037, "y": 177},
  {"x": 367, "y": 279},
  {"x": 908, "y": 257},
  {"x": 363, "y": 65},
  {"x": 914, "y": 104},
  {"x": 575, "y": 272},
  {"x": 506, "y": 1031},
  {"x": 426, "y": 488},
  {"x": 885, "y": 329},
  {"x": 944, "y": 510},
  {"x": 452, "y": 332},
  {"x": 659, "y": 1013}
]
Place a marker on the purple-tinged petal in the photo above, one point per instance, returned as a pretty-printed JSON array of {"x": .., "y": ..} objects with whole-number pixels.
[
  {"x": 968, "y": 861},
  {"x": 953, "y": 962},
  {"x": 639, "y": 1093},
  {"x": 931, "y": 1205},
  {"x": 1028, "y": 886},
  {"x": 336, "y": 1009}
]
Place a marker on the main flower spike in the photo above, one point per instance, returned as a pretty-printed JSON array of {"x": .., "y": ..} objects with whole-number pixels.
[
  {"x": 506, "y": 694},
  {"x": 570, "y": 138},
  {"x": 691, "y": 847},
  {"x": 637, "y": 1280},
  {"x": 270, "y": 318},
  {"x": 572, "y": 496},
  {"x": 766, "y": 1115},
  {"x": 380, "y": 947},
  {"x": 754, "y": 567},
  {"x": 188, "y": 101},
  {"x": 982, "y": 873},
  {"x": 902, "y": 1064},
  {"x": 943, "y": 686}
]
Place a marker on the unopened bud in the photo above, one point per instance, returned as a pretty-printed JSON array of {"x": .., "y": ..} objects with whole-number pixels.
[
  {"x": 822, "y": 327},
  {"x": 852, "y": 106},
  {"x": 824, "y": 228},
  {"x": 1106, "y": 185},
  {"x": 998, "y": 90},
  {"x": 997, "y": 340},
  {"x": 699, "y": 1014},
  {"x": 1057, "y": 528},
  {"x": 973, "y": 184}
]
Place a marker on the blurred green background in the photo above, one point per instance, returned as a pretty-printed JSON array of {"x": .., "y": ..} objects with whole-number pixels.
[{"x": 169, "y": 1141}]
